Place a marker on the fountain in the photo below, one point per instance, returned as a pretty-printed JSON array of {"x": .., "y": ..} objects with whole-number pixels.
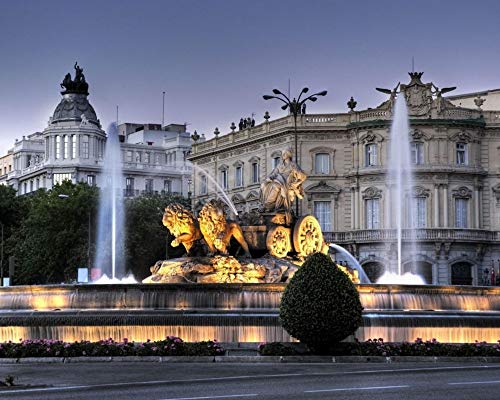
[
  {"x": 400, "y": 179},
  {"x": 244, "y": 307},
  {"x": 110, "y": 228}
]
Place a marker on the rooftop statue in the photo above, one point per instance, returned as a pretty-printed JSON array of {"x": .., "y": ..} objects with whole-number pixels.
[
  {"x": 79, "y": 85},
  {"x": 282, "y": 187}
]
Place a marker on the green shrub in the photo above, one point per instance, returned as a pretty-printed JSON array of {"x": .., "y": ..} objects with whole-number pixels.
[{"x": 320, "y": 305}]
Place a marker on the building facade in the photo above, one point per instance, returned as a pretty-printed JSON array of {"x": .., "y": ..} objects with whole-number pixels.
[
  {"x": 456, "y": 157},
  {"x": 72, "y": 147}
]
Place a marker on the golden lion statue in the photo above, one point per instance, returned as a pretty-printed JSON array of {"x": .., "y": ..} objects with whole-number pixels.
[
  {"x": 182, "y": 224},
  {"x": 217, "y": 231}
]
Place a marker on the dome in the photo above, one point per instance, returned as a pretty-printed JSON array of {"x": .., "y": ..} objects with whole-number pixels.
[{"x": 72, "y": 107}]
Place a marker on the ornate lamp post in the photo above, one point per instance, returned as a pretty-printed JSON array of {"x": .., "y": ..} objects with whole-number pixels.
[{"x": 295, "y": 106}]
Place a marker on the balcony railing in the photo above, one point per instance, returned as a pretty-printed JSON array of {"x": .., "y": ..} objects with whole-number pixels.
[{"x": 432, "y": 234}]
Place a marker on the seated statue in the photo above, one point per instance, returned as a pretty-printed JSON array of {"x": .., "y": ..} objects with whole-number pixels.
[
  {"x": 280, "y": 189},
  {"x": 182, "y": 225},
  {"x": 217, "y": 231}
]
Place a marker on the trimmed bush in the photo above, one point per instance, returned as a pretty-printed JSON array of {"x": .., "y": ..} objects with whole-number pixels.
[{"x": 320, "y": 305}]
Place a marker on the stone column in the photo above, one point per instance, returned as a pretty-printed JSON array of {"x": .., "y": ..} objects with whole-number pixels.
[
  {"x": 436, "y": 206},
  {"x": 476, "y": 207},
  {"x": 356, "y": 210},
  {"x": 387, "y": 212},
  {"x": 353, "y": 208},
  {"x": 445, "y": 206}
]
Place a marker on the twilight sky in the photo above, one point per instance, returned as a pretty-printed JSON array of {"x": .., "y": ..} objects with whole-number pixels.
[{"x": 216, "y": 58}]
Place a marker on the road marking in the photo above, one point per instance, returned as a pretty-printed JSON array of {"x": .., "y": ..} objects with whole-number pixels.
[
  {"x": 357, "y": 388},
  {"x": 214, "y": 397},
  {"x": 229, "y": 378},
  {"x": 2, "y": 393},
  {"x": 472, "y": 383}
]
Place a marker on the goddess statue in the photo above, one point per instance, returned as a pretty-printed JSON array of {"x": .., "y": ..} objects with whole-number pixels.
[{"x": 280, "y": 189}]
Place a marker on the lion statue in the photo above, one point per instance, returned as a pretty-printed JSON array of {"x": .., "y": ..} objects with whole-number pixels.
[
  {"x": 217, "y": 231},
  {"x": 182, "y": 225}
]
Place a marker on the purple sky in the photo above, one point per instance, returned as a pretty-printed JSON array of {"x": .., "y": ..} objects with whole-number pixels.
[{"x": 215, "y": 59}]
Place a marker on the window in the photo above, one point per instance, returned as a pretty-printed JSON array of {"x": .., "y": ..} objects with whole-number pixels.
[
  {"x": 203, "y": 184},
  {"x": 276, "y": 161},
  {"x": 322, "y": 211},
  {"x": 149, "y": 186},
  {"x": 417, "y": 213},
  {"x": 223, "y": 178},
  {"x": 417, "y": 153},
  {"x": 322, "y": 163},
  {"x": 60, "y": 178},
  {"x": 255, "y": 172},
  {"x": 91, "y": 180},
  {"x": 372, "y": 213},
  {"x": 85, "y": 146},
  {"x": 73, "y": 146},
  {"x": 129, "y": 186},
  {"x": 128, "y": 156},
  {"x": 370, "y": 155},
  {"x": 167, "y": 186},
  {"x": 238, "y": 176},
  {"x": 461, "y": 206},
  {"x": 58, "y": 147},
  {"x": 462, "y": 154},
  {"x": 66, "y": 146}
]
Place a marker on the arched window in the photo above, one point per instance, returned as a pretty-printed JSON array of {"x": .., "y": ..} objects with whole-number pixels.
[
  {"x": 422, "y": 268},
  {"x": 417, "y": 153},
  {"x": 462, "y": 156},
  {"x": 370, "y": 154},
  {"x": 461, "y": 274},
  {"x": 322, "y": 163},
  {"x": 374, "y": 270}
]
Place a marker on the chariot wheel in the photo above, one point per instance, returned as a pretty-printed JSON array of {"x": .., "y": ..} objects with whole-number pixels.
[
  {"x": 278, "y": 241},
  {"x": 307, "y": 236}
]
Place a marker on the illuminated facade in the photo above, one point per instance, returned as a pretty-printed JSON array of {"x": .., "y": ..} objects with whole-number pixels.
[{"x": 456, "y": 157}]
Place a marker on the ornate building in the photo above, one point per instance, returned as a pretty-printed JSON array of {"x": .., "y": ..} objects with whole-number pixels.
[
  {"x": 72, "y": 145},
  {"x": 456, "y": 158}
]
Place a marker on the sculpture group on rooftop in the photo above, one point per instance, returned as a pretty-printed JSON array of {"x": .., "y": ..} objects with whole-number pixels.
[{"x": 78, "y": 85}]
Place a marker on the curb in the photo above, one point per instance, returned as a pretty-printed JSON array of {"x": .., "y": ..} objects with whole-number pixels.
[{"x": 250, "y": 359}]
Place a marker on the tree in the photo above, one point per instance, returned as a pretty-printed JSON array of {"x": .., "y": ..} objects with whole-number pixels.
[
  {"x": 11, "y": 211},
  {"x": 146, "y": 237},
  {"x": 320, "y": 305},
  {"x": 53, "y": 239}
]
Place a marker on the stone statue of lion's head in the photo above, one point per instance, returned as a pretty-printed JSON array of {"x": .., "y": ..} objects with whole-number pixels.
[
  {"x": 212, "y": 219},
  {"x": 178, "y": 219}
]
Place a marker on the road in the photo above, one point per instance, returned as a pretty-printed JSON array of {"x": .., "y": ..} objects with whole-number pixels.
[{"x": 189, "y": 381}]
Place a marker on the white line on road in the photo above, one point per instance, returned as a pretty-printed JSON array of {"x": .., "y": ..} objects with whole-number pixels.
[
  {"x": 356, "y": 388},
  {"x": 243, "y": 377},
  {"x": 472, "y": 383},
  {"x": 214, "y": 397}
]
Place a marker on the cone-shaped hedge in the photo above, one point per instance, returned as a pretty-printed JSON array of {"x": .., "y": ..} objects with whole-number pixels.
[{"x": 320, "y": 305}]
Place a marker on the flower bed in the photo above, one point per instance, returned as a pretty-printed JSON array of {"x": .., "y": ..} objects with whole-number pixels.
[
  {"x": 171, "y": 346},
  {"x": 377, "y": 347}
]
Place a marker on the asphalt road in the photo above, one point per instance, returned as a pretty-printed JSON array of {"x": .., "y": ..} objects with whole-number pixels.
[{"x": 155, "y": 381}]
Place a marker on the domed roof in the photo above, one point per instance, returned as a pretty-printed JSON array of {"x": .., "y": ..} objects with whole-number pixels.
[{"x": 72, "y": 107}]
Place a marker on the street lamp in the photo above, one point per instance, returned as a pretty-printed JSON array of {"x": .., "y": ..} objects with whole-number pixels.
[{"x": 295, "y": 107}]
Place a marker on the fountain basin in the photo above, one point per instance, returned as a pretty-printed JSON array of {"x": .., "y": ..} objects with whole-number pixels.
[{"x": 237, "y": 312}]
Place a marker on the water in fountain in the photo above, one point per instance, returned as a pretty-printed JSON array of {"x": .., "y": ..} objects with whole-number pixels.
[
  {"x": 110, "y": 226},
  {"x": 351, "y": 261},
  {"x": 219, "y": 190},
  {"x": 400, "y": 180}
]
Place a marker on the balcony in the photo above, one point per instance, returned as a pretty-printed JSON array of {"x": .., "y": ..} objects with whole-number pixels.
[{"x": 431, "y": 235}]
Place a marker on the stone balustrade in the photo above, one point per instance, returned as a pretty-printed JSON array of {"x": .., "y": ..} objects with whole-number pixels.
[{"x": 434, "y": 234}]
